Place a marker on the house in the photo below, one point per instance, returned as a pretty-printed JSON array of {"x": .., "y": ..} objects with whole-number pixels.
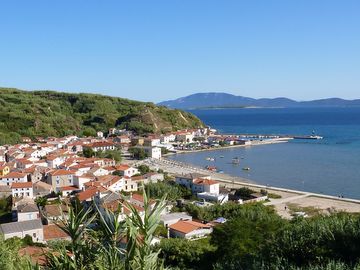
[
  {"x": 81, "y": 180},
  {"x": 102, "y": 146},
  {"x": 151, "y": 151},
  {"x": 126, "y": 170},
  {"x": 172, "y": 218},
  {"x": 189, "y": 229},
  {"x": 188, "y": 179},
  {"x": 60, "y": 178},
  {"x": 33, "y": 228},
  {"x": 113, "y": 183},
  {"x": 13, "y": 177},
  {"x": 53, "y": 232},
  {"x": 26, "y": 211},
  {"x": 4, "y": 170},
  {"x": 138, "y": 200},
  {"x": 22, "y": 189},
  {"x": 185, "y": 137},
  {"x": 151, "y": 141},
  {"x": 205, "y": 185},
  {"x": 41, "y": 189},
  {"x": 52, "y": 213},
  {"x": 68, "y": 190},
  {"x": 130, "y": 185},
  {"x": 100, "y": 134},
  {"x": 54, "y": 161}
]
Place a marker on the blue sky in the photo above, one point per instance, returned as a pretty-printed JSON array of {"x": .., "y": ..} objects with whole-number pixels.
[{"x": 158, "y": 50}]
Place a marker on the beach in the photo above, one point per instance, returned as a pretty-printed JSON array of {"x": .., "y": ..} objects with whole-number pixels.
[{"x": 290, "y": 199}]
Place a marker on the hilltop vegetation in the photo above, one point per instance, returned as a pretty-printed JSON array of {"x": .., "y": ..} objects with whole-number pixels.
[{"x": 50, "y": 113}]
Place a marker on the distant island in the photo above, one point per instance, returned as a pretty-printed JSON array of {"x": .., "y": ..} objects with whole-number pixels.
[{"x": 214, "y": 100}]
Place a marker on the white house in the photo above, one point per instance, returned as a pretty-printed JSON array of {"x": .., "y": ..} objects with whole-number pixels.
[
  {"x": 153, "y": 152},
  {"x": 28, "y": 211},
  {"x": 33, "y": 228},
  {"x": 126, "y": 170},
  {"x": 22, "y": 189},
  {"x": 13, "y": 177}
]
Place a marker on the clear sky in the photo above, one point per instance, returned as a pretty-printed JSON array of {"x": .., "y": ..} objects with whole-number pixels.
[{"x": 157, "y": 50}]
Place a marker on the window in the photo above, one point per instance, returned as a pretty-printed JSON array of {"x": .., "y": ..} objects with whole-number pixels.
[
  {"x": 57, "y": 182},
  {"x": 28, "y": 194},
  {"x": 34, "y": 234},
  {"x": 70, "y": 181}
]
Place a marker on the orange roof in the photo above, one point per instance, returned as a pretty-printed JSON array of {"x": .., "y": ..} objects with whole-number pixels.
[
  {"x": 14, "y": 175},
  {"x": 22, "y": 185},
  {"x": 61, "y": 172},
  {"x": 138, "y": 197},
  {"x": 207, "y": 182},
  {"x": 122, "y": 167},
  {"x": 186, "y": 226},
  {"x": 87, "y": 194},
  {"x": 53, "y": 232}
]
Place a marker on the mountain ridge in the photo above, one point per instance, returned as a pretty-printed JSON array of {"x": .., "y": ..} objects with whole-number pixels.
[
  {"x": 52, "y": 113},
  {"x": 222, "y": 99}
]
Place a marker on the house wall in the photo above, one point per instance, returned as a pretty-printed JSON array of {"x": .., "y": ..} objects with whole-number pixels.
[
  {"x": 27, "y": 216},
  {"x": 9, "y": 181},
  {"x": 37, "y": 235},
  {"x": 58, "y": 181},
  {"x": 22, "y": 192}
]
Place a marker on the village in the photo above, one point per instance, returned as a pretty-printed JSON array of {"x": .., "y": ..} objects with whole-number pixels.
[{"x": 42, "y": 177}]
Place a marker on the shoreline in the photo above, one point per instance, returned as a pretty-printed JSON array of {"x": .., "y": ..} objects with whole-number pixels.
[
  {"x": 254, "y": 143},
  {"x": 323, "y": 203}
]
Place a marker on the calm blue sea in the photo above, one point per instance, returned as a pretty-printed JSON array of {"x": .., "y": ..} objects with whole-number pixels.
[{"x": 329, "y": 166}]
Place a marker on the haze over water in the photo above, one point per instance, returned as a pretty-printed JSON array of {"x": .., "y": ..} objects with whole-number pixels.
[{"x": 330, "y": 166}]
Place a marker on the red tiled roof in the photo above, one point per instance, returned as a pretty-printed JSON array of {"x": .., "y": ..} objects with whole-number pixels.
[
  {"x": 61, "y": 172},
  {"x": 87, "y": 194},
  {"x": 207, "y": 182},
  {"x": 14, "y": 175},
  {"x": 53, "y": 232},
  {"x": 22, "y": 185},
  {"x": 186, "y": 226}
]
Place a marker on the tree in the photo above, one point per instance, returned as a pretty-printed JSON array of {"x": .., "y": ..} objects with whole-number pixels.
[
  {"x": 143, "y": 169},
  {"x": 138, "y": 153},
  {"x": 186, "y": 254},
  {"x": 248, "y": 237},
  {"x": 88, "y": 152},
  {"x": 244, "y": 193}
]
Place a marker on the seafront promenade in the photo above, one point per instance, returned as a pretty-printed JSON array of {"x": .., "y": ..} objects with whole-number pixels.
[{"x": 289, "y": 198}]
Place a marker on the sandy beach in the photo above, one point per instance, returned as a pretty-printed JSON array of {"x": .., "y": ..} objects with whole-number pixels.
[{"x": 290, "y": 199}]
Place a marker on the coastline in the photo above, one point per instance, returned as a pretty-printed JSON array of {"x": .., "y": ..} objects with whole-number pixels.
[
  {"x": 323, "y": 203},
  {"x": 253, "y": 143}
]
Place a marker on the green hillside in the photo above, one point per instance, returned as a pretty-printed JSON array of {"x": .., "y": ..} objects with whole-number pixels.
[{"x": 49, "y": 113}]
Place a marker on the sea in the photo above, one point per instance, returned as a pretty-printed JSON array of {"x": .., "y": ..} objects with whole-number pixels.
[{"x": 328, "y": 166}]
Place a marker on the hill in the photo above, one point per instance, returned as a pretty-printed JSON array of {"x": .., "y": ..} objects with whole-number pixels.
[
  {"x": 224, "y": 100},
  {"x": 50, "y": 113}
]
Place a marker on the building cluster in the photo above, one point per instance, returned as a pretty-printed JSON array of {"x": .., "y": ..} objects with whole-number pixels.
[{"x": 58, "y": 170}]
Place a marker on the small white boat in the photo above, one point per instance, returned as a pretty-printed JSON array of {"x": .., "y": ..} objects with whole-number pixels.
[
  {"x": 235, "y": 160},
  {"x": 246, "y": 169}
]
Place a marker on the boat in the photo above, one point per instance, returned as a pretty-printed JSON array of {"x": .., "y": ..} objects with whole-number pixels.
[
  {"x": 211, "y": 168},
  {"x": 210, "y": 159},
  {"x": 220, "y": 171},
  {"x": 235, "y": 160},
  {"x": 221, "y": 156},
  {"x": 246, "y": 169}
]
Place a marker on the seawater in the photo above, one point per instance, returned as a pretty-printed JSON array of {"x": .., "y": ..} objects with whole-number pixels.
[{"x": 329, "y": 166}]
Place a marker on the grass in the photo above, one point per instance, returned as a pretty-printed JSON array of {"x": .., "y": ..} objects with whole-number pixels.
[{"x": 309, "y": 210}]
